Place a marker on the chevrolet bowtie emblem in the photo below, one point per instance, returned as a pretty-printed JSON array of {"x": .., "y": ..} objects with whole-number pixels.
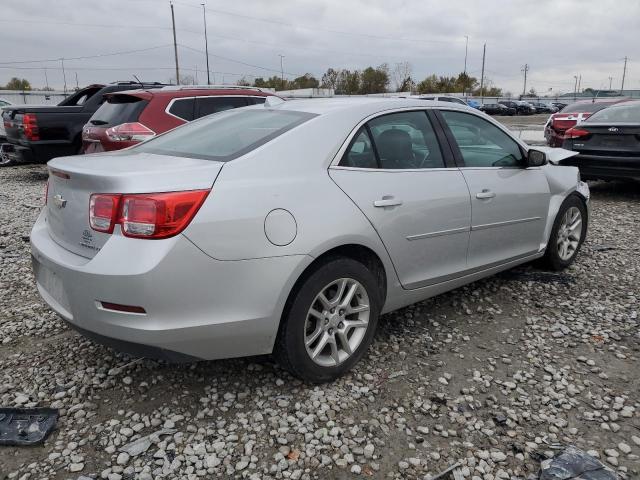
[{"x": 59, "y": 202}]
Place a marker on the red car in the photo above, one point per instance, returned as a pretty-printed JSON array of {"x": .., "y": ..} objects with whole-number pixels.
[
  {"x": 571, "y": 115},
  {"x": 130, "y": 117}
]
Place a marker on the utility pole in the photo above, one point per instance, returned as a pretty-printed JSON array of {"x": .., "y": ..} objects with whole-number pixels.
[
  {"x": 624, "y": 74},
  {"x": 64, "y": 76},
  {"x": 525, "y": 69},
  {"x": 281, "y": 71},
  {"x": 610, "y": 80},
  {"x": 466, "y": 50},
  {"x": 175, "y": 44},
  {"x": 206, "y": 42},
  {"x": 46, "y": 78},
  {"x": 77, "y": 86},
  {"x": 484, "y": 53},
  {"x": 575, "y": 86},
  {"x": 579, "y": 82}
]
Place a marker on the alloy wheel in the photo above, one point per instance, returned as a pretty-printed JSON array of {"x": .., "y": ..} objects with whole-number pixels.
[
  {"x": 336, "y": 322},
  {"x": 569, "y": 233}
]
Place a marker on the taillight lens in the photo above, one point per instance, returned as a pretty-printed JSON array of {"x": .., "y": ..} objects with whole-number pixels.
[
  {"x": 575, "y": 132},
  {"x": 103, "y": 212},
  {"x": 148, "y": 215},
  {"x": 129, "y": 132},
  {"x": 30, "y": 127}
]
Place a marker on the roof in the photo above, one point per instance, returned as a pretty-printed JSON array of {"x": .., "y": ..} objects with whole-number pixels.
[
  {"x": 192, "y": 91},
  {"x": 366, "y": 105}
]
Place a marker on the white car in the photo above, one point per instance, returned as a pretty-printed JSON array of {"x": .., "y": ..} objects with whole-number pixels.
[{"x": 3, "y": 133}]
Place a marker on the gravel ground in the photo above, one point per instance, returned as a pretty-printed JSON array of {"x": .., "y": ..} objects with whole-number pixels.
[{"x": 492, "y": 375}]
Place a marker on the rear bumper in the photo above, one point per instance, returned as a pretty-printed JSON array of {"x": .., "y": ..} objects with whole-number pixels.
[
  {"x": 594, "y": 167},
  {"x": 42, "y": 152},
  {"x": 196, "y": 307}
]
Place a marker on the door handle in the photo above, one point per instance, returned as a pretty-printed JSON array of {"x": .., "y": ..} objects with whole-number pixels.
[
  {"x": 387, "y": 201},
  {"x": 485, "y": 194}
]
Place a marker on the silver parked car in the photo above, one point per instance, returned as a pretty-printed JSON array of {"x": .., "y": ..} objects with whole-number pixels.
[{"x": 290, "y": 227}]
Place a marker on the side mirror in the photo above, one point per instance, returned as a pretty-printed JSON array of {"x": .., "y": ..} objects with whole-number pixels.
[{"x": 536, "y": 158}]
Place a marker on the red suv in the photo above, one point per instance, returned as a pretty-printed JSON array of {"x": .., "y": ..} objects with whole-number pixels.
[{"x": 130, "y": 117}]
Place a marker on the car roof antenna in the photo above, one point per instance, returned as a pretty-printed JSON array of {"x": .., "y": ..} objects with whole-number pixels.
[{"x": 141, "y": 84}]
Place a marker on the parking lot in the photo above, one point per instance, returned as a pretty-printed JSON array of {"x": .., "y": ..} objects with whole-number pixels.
[{"x": 495, "y": 376}]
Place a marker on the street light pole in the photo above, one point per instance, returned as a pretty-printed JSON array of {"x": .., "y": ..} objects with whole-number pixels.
[
  {"x": 281, "y": 71},
  {"x": 206, "y": 42},
  {"x": 624, "y": 74},
  {"x": 484, "y": 53}
]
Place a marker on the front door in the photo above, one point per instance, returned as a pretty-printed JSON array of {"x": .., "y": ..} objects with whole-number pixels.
[
  {"x": 509, "y": 202},
  {"x": 395, "y": 173}
]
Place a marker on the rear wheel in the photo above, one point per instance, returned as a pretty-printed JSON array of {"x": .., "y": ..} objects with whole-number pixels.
[
  {"x": 7, "y": 156},
  {"x": 330, "y": 321},
  {"x": 567, "y": 235}
]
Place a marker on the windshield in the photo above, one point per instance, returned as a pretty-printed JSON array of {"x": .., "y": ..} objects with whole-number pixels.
[
  {"x": 622, "y": 113},
  {"x": 226, "y": 135},
  {"x": 118, "y": 109}
]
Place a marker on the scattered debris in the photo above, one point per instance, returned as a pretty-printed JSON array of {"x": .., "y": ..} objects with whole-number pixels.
[
  {"x": 575, "y": 464},
  {"x": 603, "y": 248},
  {"x": 451, "y": 472},
  {"x": 142, "y": 444},
  {"x": 26, "y": 426}
]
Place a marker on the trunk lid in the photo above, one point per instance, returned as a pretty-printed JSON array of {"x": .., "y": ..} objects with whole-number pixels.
[
  {"x": 72, "y": 180},
  {"x": 609, "y": 139}
]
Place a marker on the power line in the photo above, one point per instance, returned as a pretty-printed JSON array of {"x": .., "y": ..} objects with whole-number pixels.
[{"x": 84, "y": 57}]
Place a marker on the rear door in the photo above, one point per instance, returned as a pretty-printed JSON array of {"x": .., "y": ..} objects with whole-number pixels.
[
  {"x": 209, "y": 105},
  {"x": 399, "y": 176},
  {"x": 509, "y": 202}
]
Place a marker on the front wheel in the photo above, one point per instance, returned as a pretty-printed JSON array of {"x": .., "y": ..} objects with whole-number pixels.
[
  {"x": 567, "y": 235},
  {"x": 330, "y": 321}
]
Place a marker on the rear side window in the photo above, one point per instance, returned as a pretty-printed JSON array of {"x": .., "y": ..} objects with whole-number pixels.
[
  {"x": 183, "y": 108},
  {"x": 225, "y": 136},
  {"x": 118, "y": 109},
  {"x": 623, "y": 113},
  {"x": 208, "y": 105},
  {"x": 258, "y": 99}
]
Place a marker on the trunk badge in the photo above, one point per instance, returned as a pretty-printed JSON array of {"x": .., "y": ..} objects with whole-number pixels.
[
  {"x": 59, "y": 201},
  {"x": 613, "y": 129}
]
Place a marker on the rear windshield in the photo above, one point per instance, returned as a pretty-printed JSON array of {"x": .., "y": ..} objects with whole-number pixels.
[
  {"x": 118, "y": 109},
  {"x": 622, "y": 113},
  {"x": 585, "y": 107},
  {"x": 226, "y": 135}
]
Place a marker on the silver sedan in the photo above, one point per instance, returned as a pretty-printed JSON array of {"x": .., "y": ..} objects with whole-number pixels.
[{"x": 291, "y": 227}]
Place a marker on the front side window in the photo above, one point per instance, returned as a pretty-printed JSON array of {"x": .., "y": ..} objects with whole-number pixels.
[
  {"x": 481, "y": 143},
  {"x": 226, "y": 135},
  {"x": 404, "y": 140}
]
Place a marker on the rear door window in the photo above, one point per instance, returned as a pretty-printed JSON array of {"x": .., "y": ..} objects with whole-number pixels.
[
  {"x": 118, "y": 109},
  {"x": 209, "y": 105},
  {"x": 258, "y": 99},
  {"x": 183, "y": 108}
]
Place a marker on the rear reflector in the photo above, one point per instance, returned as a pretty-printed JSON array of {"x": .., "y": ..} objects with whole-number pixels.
[
  {"x": 146, "y": 215},
  {"x": 129, "y": 132},
  {"x": 122, "y": 308}
]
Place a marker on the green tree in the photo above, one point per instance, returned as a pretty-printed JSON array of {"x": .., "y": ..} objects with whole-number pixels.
[
  {"x": 465, "y": 83},
  {"x": 18, "y": 84},
  {"x": 374, "y": 80},
  {"x": 428, "y": 85},
  {"x": 305, "y": 81}
]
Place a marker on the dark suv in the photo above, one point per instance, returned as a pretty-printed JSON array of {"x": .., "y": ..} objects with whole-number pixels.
[
  {"x": 40, "y": 133},
  {"x": 128, "y": 118}
]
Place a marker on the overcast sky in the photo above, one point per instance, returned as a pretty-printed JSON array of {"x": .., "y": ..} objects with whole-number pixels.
[{"x": 556, "y": 38}]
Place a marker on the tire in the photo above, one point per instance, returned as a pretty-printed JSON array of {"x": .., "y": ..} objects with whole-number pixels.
[
  {"x": 298, "y": 326},
  {"x": 554, "y": 258},
  {"x": 6, "y": 159}
]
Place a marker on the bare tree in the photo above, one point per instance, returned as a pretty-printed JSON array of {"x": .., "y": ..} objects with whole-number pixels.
[{"x": 401, "y": 75}]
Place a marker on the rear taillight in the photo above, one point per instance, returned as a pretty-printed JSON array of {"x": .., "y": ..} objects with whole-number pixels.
[
  {"x": 129, "y": 132},
  {"x": 103, "y": 211},
  {"x": 30, "y": 127},
  {"x": 575, "y": 132},
  {"x": 148, "y": 215}
]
